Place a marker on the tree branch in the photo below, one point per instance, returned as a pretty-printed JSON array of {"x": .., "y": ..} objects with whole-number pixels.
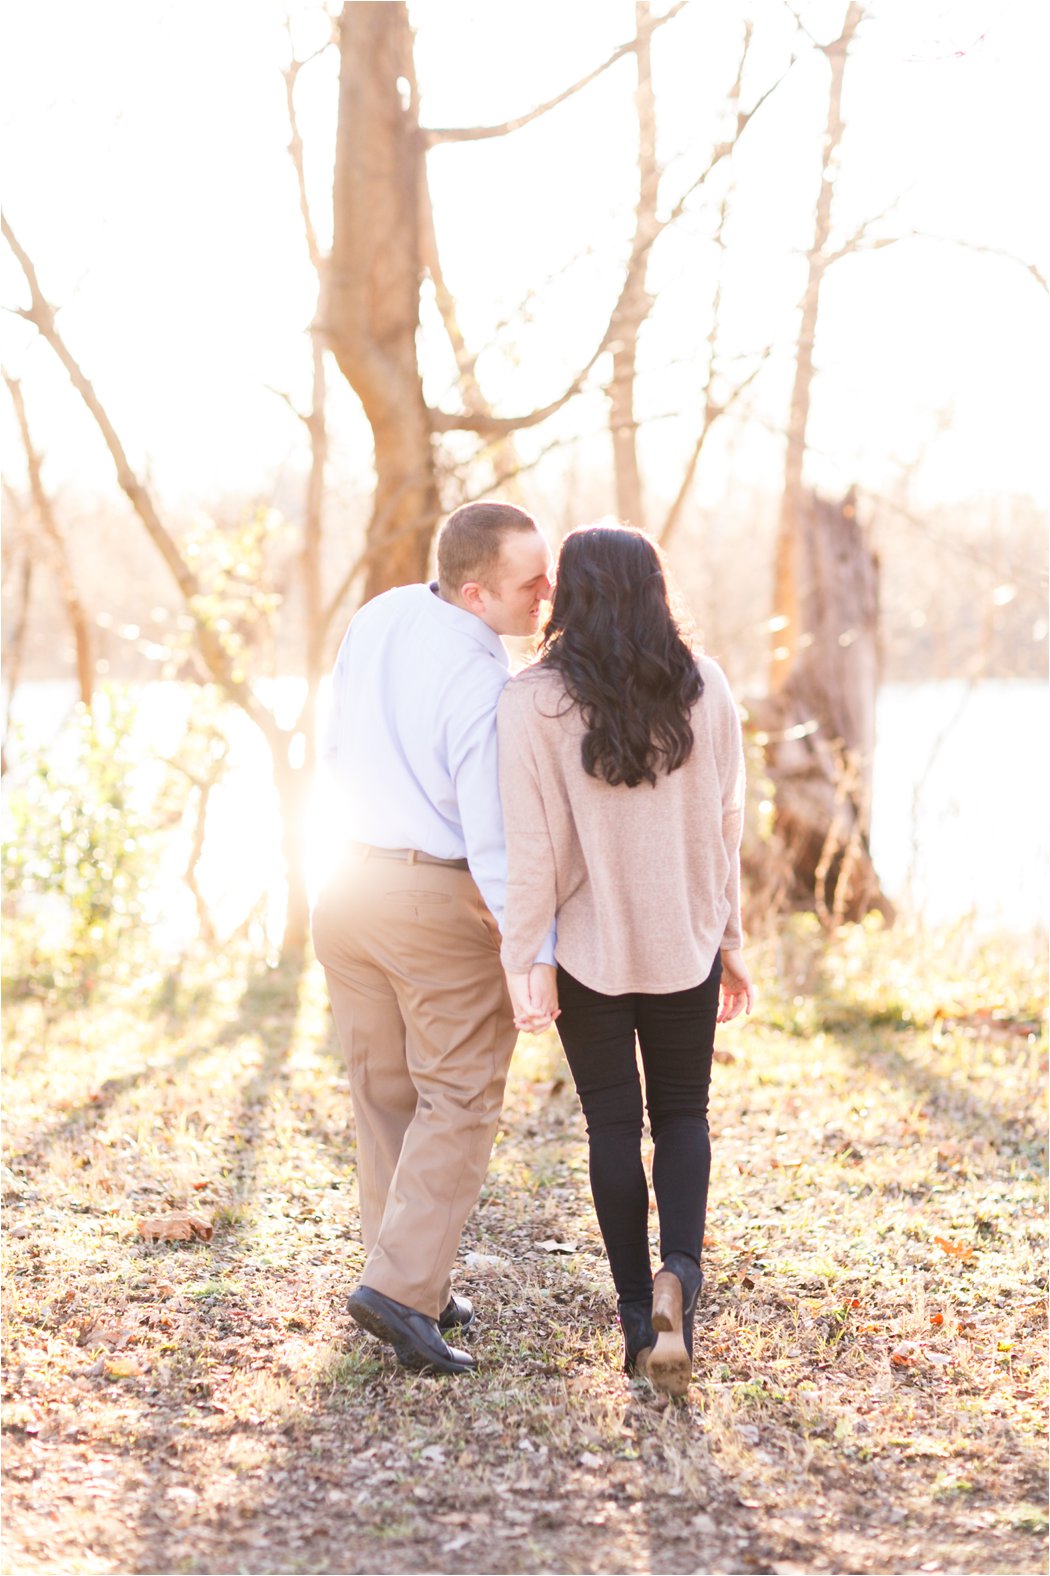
[
  {"x": 14, "y": 644},
  {"x": 295, "y": 149},
  {"x": 282, "y": 394},
  {"x": 498, "y": 426},
  {"x": 803, "y": 29},
  {"x": 435, "y": 135},
  {"x": 214, "y": 655},
  {"x": 858, "y": 243},
  {"x": 495, "y": 426},
  {"x": 713, "y": 409}
]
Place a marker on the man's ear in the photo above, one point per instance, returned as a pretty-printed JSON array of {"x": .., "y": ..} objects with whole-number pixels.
[{"x": 470, "y": 593}]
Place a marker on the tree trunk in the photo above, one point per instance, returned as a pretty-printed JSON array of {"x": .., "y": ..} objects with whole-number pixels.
[
  {"x": 293, "y": 787},
  {"x": 785, "y": 628},
  {"x": 635, "y": 302},
  {"x": 14, "y": 646},
  {"x": 372, "y": 314},
  {"x": 818, "y": 730}
]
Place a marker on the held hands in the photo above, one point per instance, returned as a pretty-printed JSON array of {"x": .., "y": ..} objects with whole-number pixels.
[
  {"x": 534, "y": 997},
  {"x": 737, "y": 991}
]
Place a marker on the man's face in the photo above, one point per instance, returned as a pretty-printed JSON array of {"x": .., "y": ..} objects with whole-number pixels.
[{"x": 520, "y": 585}]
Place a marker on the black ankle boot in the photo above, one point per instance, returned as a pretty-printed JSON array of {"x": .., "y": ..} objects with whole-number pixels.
[
  {"x": 636, "y": 1322},
  {"x": 691, "y": 1276}
]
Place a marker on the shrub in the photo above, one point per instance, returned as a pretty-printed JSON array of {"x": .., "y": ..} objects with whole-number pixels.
[{"x": 76, "y": 855}]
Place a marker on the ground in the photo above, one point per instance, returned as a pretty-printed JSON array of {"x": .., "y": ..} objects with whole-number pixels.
[{"x": 871, "y": 1343}]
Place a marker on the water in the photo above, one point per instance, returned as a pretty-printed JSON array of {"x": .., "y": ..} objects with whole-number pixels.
[
  {"x": 960, "y": 825},
  {"x": 960, "y": 830}
]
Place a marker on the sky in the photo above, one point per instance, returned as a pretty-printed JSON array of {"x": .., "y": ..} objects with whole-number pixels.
[{"x": 148, "y": 177}]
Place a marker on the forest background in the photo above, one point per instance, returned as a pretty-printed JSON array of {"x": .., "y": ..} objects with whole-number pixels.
[{"x": 282, "y": 288}]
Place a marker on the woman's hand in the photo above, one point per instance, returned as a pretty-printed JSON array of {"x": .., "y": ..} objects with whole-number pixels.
[
  {"x": 737, "y": 991},
  {"x": 534, "y": 997}
]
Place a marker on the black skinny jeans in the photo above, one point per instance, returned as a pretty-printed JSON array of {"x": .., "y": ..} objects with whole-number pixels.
[{"x": 676, "y": 1034}]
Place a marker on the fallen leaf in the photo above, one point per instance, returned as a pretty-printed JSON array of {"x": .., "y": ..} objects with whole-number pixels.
[
  {"x": 936, "y": 1318},
  {"x": 551, "y": 1246},
  {"x": 92, "y": 1332},
  {"x": 589, "y": 1460},
  {"x": 123, "y": 1368},
  {"x": 175, "y": 1228},
  {"x": 958, "y": 1250}
]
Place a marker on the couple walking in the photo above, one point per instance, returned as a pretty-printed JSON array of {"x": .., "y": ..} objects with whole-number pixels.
[{"x": 562, "y": 847}]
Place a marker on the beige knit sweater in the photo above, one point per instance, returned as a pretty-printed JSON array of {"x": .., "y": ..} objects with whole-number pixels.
[{"x": 645, "y": 882}]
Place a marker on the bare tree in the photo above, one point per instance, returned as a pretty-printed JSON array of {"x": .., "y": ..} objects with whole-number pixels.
[
  {"x": 219, "y": 663},
  {"x": 635, "y": 302},
  {"x": 383, "y": 241},
  {"x": 717, "y": 404},
  {"x": 785, "y": 573},
  {"x": 59, "y": 552},
  {"x": 818, "y": 724},
  {"x": 15, "y": 629}
]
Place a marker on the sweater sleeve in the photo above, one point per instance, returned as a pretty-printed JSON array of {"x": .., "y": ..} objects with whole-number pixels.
[
  {"x": 531, "y": 901},
  {"x": 730, "y": 748}
]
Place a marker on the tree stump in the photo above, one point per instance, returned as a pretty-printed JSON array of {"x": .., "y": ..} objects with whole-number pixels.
[{"x": 817, "y": 732}]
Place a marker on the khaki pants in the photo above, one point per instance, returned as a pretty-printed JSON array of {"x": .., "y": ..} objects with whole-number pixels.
[{"x": 411, "y": 955}]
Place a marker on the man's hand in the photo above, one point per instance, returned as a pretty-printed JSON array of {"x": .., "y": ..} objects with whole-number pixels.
[
  {"x": 737, "y": 991},
  {"x": 534, "y": 997}
]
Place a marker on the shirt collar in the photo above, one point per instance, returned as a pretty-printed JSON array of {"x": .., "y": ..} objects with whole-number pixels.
[{"x": 469, "y": 624}]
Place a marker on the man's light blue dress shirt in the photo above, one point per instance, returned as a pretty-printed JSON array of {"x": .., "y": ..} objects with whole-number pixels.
[{"x": 411, "y": 738}]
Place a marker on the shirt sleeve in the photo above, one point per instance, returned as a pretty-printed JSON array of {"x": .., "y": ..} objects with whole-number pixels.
[
  {"x": 475, "y": 772},
  {"x": 732, "y": 783},
  {"x": 529, "y": 930}
]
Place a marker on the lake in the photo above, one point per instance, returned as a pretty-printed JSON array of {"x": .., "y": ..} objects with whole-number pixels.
[{"x": 960, "y": 829}]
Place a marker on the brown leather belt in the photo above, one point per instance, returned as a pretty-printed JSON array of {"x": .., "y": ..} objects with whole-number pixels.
[{"x": 410, "y": 856}]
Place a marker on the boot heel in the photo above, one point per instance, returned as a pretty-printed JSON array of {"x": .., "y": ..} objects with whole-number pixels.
[
  {"x": 669, "y": 1368},
  {"x": 667, "y": 1302}
]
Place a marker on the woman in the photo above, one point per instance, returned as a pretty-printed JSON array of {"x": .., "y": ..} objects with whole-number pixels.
[{"x": 621, "y": 776}]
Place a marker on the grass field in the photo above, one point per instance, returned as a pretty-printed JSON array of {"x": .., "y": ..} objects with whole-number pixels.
[{"x": 870, "y": 1380}]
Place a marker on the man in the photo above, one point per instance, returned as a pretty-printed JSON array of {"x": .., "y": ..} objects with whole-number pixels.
[{"x": 407, "y": 927}]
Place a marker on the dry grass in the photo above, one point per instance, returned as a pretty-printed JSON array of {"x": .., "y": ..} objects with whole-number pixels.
[{"x": 871, "y": 1367}]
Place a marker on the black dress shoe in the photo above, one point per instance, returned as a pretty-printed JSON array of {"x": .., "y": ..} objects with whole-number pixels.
[
  {"x": 458, "y": 1314},
  {"x": 416, "y": 1339}
]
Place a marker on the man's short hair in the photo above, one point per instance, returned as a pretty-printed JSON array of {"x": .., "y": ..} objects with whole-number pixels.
[{"x": 470, "y": 542}]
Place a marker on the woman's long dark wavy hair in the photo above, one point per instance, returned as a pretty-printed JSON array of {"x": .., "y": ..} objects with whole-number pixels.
[{"x": 617, "y": 645}]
